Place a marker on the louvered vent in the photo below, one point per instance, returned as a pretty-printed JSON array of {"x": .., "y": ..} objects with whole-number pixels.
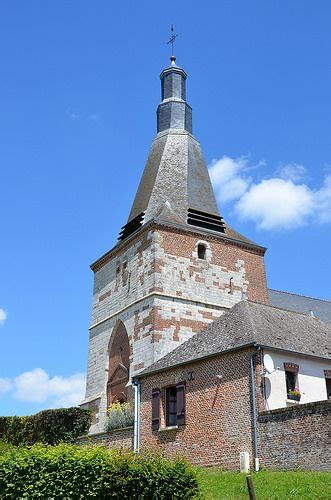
[
  {"x": 205, "y": 220},
  {"x": 132, "y": 226}
]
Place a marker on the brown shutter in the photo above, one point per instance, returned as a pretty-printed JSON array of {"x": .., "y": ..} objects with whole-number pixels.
[
  {"x": 181, "y": 403},
  {"x": 156, "y": 409},
  {"x": 291, "y": 367}
]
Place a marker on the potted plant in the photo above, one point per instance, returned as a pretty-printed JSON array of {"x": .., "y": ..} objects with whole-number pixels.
[
  {"x": 294, "y": 394},
  {"x": 119, "y": 416}
]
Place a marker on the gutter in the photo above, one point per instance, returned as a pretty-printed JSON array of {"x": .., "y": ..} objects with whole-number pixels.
[
  {"x": 254, "y": 412},
  {"x": 145, "y": 373},
  {"x": 136, "y": 425}
]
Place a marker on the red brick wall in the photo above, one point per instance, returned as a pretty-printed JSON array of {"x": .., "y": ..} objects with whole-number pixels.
[{"x": 218, "y": 422}]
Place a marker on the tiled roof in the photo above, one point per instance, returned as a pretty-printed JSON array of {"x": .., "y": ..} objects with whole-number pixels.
[
  {"x": 300, "y": 303},
  {"x": 249, "y": 323}
]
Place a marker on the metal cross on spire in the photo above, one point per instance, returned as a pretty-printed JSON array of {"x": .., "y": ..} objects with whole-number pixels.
[{"x": 172, "y": 41}]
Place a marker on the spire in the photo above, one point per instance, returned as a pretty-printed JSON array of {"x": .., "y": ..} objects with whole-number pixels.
[
  {"x": 173, "y": 111},
  {"x": 175, "y": 184}
]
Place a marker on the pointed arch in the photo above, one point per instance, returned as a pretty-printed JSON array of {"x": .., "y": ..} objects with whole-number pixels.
[{"x": 118, "y": 365}]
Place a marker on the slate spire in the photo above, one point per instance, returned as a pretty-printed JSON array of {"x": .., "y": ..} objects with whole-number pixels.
[{"x": 175, "y": 184}]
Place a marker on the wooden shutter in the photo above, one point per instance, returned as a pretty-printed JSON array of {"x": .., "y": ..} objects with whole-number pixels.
[
  {"x": 156, "y": 409},
  {"x": 181, "y": 403}
]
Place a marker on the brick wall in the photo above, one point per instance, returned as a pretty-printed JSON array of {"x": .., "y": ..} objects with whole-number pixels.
[
  {"x": 296, "y": 437},
  {"x": 119, "y": 438},
  {"x": 218, "y": 421}
]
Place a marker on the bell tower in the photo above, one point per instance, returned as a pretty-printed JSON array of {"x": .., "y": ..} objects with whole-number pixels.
[{"x": 177, "y": 264}]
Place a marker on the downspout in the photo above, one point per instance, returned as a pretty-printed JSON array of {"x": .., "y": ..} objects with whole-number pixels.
[
  {"x": 254, "y": 415},
  {"x": 136, "y": 426}
]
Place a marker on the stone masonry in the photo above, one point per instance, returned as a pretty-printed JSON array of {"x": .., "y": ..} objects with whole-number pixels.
[{"x": 163, "y": 293}]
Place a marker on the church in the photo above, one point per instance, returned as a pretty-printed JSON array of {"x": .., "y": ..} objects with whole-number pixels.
[{"x": 184, "y": 327}]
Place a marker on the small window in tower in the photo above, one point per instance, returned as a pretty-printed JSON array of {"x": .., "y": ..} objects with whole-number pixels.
[
  {"x": 125, "y": 272},
  {"x": 201, "y": 251}
]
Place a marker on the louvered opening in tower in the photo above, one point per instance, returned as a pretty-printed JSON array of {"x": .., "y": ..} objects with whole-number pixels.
[
  {"x": 205, "y": 220},
  {"x": 132, "y": 226}
]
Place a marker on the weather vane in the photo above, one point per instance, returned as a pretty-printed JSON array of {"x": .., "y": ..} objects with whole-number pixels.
[{"x": 172, "y": 40}]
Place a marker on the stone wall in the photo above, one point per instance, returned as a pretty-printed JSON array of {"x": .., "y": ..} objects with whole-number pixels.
[
  {"x": 119, "y": 438},
  {"x": 296, "y": 437}
]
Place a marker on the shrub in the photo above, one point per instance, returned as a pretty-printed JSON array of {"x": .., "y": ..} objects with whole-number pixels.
[
  {"x": 73, "y": 472},
  {"x": 48, "y": 426},
  {"x": 119, "y": 415}
]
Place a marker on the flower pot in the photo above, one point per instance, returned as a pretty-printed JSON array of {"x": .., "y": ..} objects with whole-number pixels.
[{"x": 293, "y": 397}]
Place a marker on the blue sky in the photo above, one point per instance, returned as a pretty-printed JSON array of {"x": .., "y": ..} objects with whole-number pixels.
[{"x": 79, "y": 86}]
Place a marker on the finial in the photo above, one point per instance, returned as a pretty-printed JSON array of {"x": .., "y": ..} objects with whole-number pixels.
[{"x": 172, "y": 41}]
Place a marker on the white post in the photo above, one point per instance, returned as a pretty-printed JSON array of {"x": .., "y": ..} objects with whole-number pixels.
[
  {"x": 244, "y": 462},
  {"x": 136, "y": 428}
]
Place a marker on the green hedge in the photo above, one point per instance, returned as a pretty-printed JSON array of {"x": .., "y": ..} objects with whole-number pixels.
[
  {"x": 74, "y": 472},
  {"x": 48, "y": 426}
]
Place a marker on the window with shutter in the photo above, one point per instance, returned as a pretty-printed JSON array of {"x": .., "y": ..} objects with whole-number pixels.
[
  {"x": 181, "y": 403},
  {"x": 171, "y": 406},
  {"x": 156, "y": 409}
]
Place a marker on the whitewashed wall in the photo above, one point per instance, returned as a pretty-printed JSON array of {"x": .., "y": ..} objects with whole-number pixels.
[{"x": 311, "y": 379}]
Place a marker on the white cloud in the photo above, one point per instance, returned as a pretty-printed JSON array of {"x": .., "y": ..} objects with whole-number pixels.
[
  {"x": 5, "y": 385},
  {"x": 227, "y": 177},
  {"x": 276, "y": 203},
  {"x": 279, "y": 202},
  {"x": 292, "y": 171},
  {"x": 3, "y": 316},
  {"x": 36, "y": 386}
]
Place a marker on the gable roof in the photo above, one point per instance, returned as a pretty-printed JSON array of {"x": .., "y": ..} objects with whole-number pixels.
[
  {"x": 249, "y": 323},
  {"x": 300, "y": 303}
]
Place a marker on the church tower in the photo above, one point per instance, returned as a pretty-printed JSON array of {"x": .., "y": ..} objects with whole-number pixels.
[{"x": 177, "y": 265}]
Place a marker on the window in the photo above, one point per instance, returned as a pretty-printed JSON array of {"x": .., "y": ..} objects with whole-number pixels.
[
  {"x": 201, "y": 251},
  {"x": 290, "y": 381},
  {"x": 327, "y": 374},
  {"x": 125, "y": 273},
  {"x": 173, "y": 405},
  {"x": 328, "y": 387},
  {"x": 291, "y": 377}
]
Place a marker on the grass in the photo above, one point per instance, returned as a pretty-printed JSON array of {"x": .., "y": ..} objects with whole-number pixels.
[{"x": 268, "y": 485}]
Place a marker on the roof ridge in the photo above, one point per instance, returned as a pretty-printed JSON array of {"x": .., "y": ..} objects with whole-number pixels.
[
  {"x": 306, "y": 315},
  {"x": 299, "y": 295}
]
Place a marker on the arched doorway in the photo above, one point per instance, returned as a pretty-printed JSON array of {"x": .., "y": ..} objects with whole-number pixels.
[{"x": 118, "y": 365}]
